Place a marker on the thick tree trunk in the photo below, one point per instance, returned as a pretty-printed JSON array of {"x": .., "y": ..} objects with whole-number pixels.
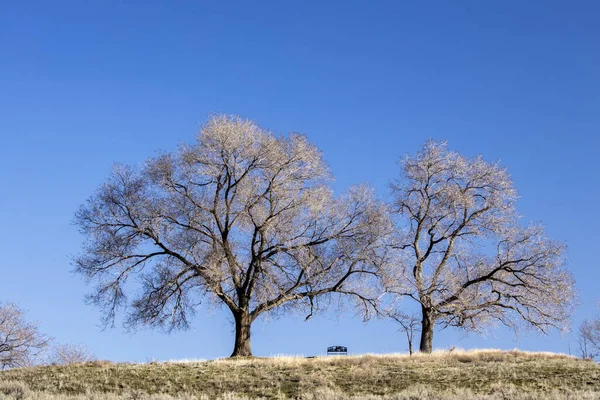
[
  {"x": 242, "y": 346},
  {"x": 427, "y": 324}
]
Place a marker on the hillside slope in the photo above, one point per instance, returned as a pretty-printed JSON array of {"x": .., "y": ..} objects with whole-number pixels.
[{"x": 474, "y": 374}]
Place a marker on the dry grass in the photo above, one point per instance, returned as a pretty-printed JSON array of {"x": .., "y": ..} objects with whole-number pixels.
[{"x": 484, "y": 374}]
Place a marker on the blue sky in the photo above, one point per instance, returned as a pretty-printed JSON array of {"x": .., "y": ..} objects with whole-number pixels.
[{"x": 87, "y": 84}]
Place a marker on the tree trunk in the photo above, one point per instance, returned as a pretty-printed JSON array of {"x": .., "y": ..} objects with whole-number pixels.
[
  {"x": 427, "y": 324},
  {"x": 242, "y": 346}
]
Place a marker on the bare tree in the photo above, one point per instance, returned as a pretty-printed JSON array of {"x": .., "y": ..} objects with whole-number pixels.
[
  {"x": 20, "y": 340},
  {"x": 242, "y": 217},
  {"x": 72, "y": 353},
  {"x": 464, "y": 257},
  {"x": 588, "y": 337},
  {"x": 409, "y": 323}
]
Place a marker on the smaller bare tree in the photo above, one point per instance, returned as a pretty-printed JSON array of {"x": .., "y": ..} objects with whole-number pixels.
[
  {"x": 20, "y": 340},
  {"x": 409, "y": 324},
  {"x": 463, "y": 255},
  {"x": 589, "y": 339},
  {"x": 71, "y": 353}
]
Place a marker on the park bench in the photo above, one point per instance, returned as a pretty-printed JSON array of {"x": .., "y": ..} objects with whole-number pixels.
[{"x": 337, "y": 351}]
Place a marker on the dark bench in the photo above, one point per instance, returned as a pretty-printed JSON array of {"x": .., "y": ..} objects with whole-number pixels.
[{"x": 337, "y": 351}]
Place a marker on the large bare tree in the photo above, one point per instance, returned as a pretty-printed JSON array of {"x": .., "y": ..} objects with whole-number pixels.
[
  {"x": 242, "y": 217},
  {"x": 464, "y": 257},
  {"x": 20, "y": 340}
]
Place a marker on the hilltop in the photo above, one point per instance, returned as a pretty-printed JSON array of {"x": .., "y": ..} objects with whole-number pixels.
[{"x": 478, "y": 374}]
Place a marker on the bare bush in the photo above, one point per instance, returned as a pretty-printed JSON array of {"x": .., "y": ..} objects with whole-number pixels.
[
  {"x": 71, "y": 353},
  {"x": 20, "y": 340}
]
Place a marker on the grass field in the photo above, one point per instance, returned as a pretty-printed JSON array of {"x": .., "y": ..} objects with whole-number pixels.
[{"x": 481, "y": 374}]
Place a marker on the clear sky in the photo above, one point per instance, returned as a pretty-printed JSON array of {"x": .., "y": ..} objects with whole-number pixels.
[{"x": 84, "y": 84}]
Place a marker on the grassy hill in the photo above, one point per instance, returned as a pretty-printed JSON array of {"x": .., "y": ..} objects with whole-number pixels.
[{"x": 483, "y": 374}]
